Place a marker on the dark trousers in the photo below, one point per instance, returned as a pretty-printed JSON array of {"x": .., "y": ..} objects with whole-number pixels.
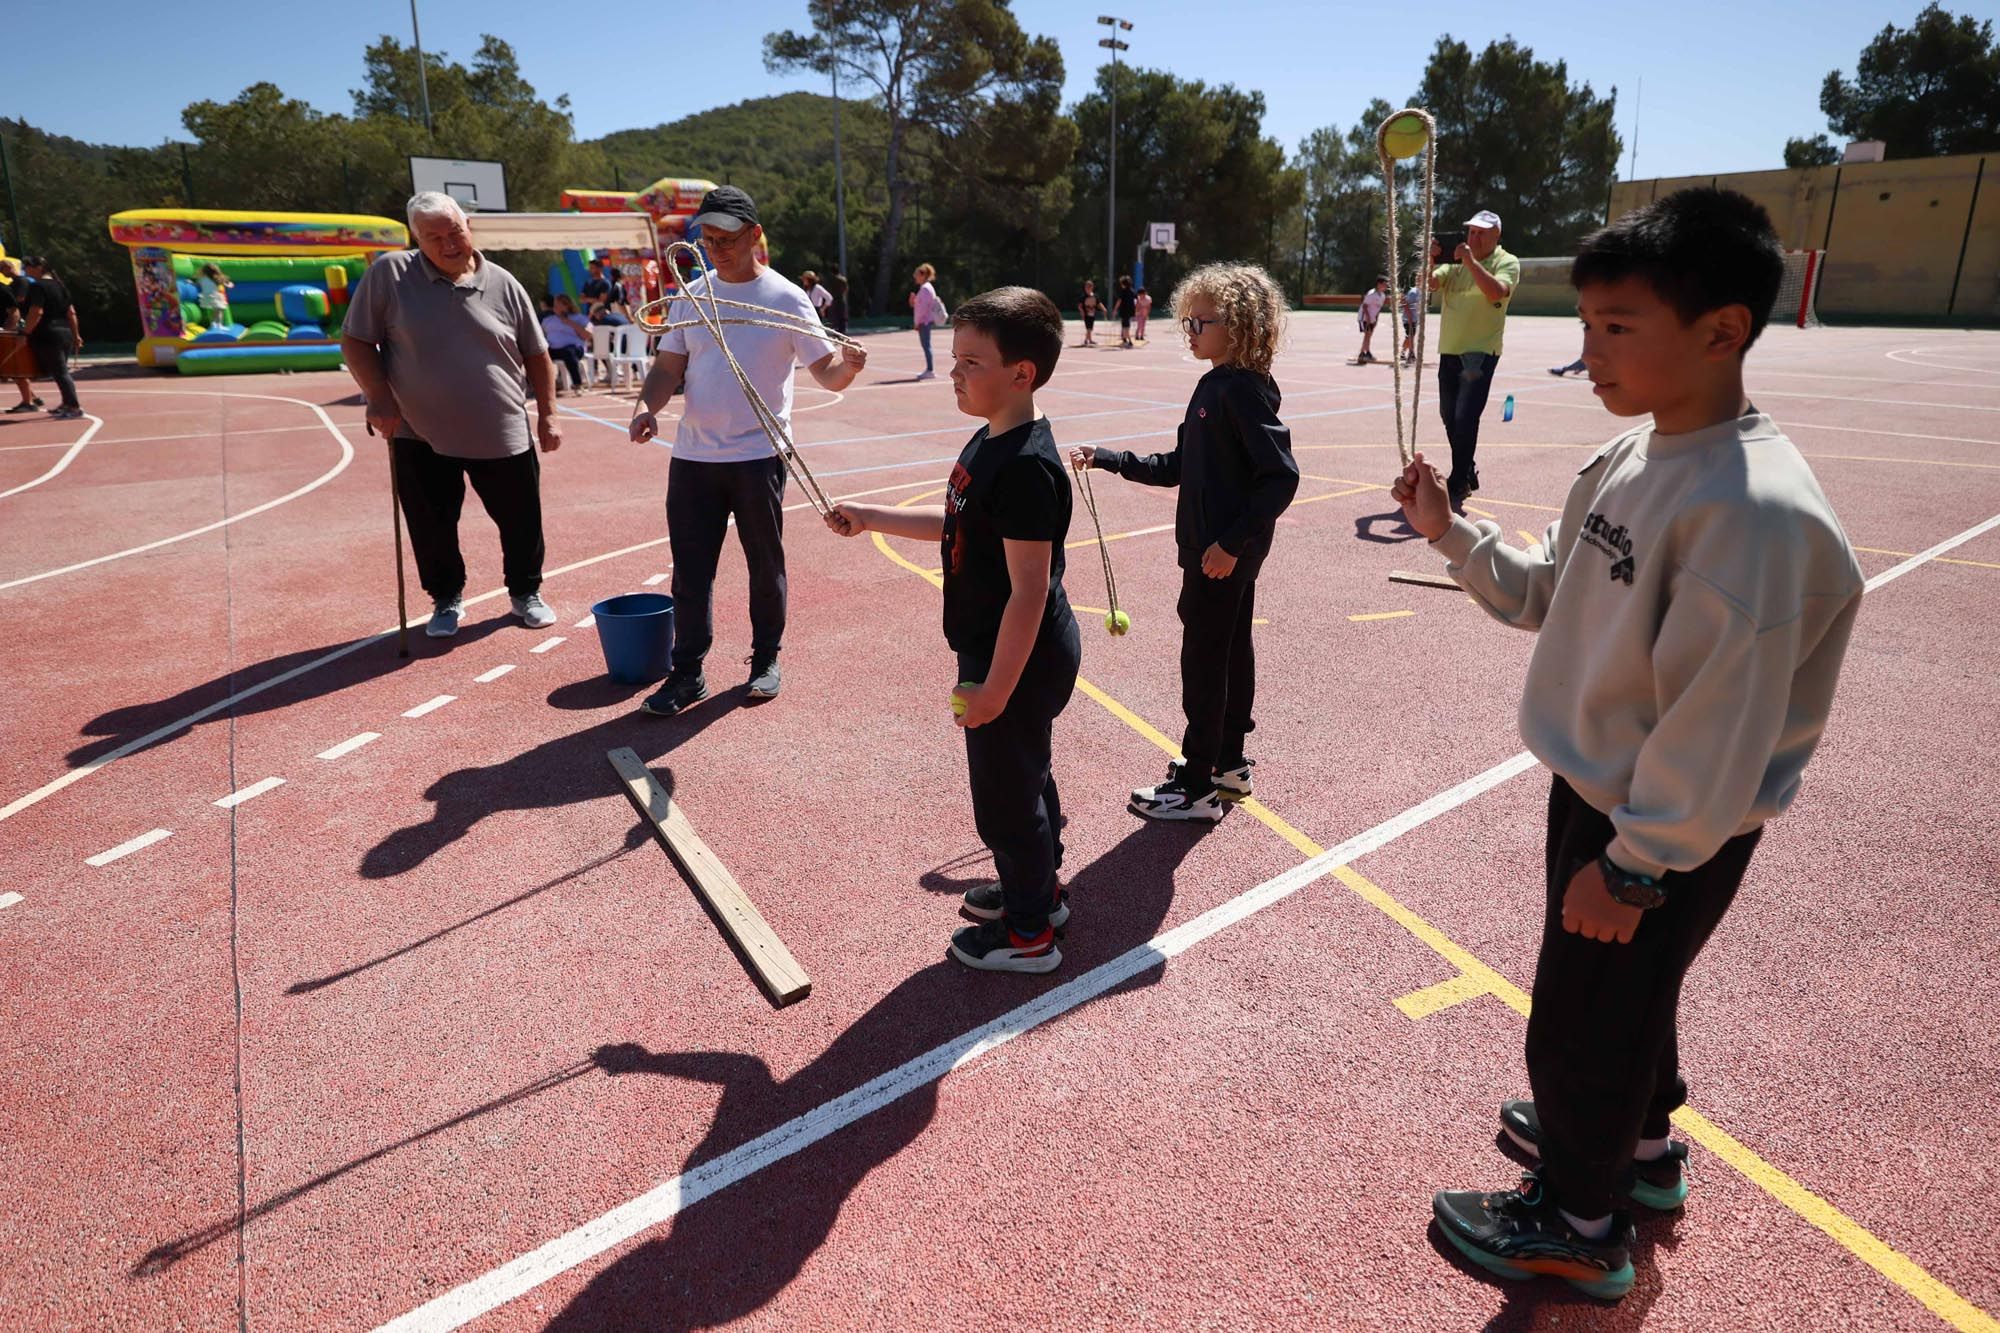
[
  {"x": 701, "y": 499},
  {"x": 431, "y": 487},
  {"x": 1603, "y": 1046},
  {"x": 53, "y": 350},
  {"x": 571, "y": 359},
  {"x": 1218, "y": 665},
  {"x": 1015, "y": 806},
  {"x": 1464, "y": 380}
]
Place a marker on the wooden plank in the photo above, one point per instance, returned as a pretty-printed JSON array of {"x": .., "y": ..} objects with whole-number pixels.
[
  {"x": 776, "y": 970},
  {"x": 1422, "y": 580}
]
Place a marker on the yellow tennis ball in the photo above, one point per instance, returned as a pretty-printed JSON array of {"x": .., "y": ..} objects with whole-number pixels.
[
  {"x": 1404, "y": 135},
  {"x": 1117, "y": 622},
  {"x": 958, "y": 700}
]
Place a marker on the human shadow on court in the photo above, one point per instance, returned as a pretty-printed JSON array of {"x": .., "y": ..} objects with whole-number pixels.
[
  {"x": 735, "y": 1246},
  {"x": 1399, "y": 528},
  {"x": 567, "y": 770},
  {"x": 366, "y": 661}
]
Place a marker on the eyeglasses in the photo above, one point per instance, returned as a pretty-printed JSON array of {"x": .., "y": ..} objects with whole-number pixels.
[{"x": 1194, "y": 324}]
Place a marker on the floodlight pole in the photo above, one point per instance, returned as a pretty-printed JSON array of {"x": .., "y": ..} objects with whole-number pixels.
[
  {"x": 1117, "y": 25},
  {"x": 839, "y": 176},
  {"x": 423, "y": 79}
]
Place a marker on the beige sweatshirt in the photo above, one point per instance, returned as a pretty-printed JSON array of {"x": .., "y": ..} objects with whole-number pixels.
[{"x": 1694, "y": 601}]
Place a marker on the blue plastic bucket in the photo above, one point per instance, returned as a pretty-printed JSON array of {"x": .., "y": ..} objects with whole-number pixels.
[{"x": 637, "y": 633}]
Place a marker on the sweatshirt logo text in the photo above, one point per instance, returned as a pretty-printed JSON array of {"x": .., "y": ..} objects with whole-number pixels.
[{"x": 1614, "y": 541}]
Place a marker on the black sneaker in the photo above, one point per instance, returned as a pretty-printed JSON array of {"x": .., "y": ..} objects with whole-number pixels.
[
  {"x": 986, "y": 902},
  {"x": 1472, "y": 481},
  {"x": 1521, "y": 1234},
  {"x": 1232, "y": 781},
  {"x": 1175, "y": 799},
  {"x": 991, "y": 947},
  {"x": 684, "y": 689},
  {"x": 764, "y": 676},
  {"x": 1455, "y": 494},
  {"x": 1661, "y": 1184},
  {"x": 18, "y": 408}
]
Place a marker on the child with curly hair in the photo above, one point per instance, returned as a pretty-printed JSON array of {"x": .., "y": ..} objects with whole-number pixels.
[{"x": 1233, "y": 464}]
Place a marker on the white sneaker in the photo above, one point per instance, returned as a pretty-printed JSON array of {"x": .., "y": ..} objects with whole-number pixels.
[
  {"x": 927, "y": 375},
  {"x": 1231, "y": 784},
  {"x": 1172, "y": 800},
  {"x": 445, "y": 617},
  {"x": 534, "y": 612}
]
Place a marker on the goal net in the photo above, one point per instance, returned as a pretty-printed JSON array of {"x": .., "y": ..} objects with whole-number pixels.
[{"x": 1798, "y": 294}]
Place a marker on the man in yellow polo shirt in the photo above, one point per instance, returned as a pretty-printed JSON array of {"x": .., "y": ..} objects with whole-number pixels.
[{"x": 1475, "y": 284}]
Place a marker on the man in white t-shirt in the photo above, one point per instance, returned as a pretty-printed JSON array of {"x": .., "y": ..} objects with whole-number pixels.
[{"x": 723, "y": 464}]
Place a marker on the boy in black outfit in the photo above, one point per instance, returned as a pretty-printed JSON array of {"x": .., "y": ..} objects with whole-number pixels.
[
  {"x": 1694, "y": 604},
  {"x": 1233, "y": 463},
  {"x": 1006, "y": 615}
]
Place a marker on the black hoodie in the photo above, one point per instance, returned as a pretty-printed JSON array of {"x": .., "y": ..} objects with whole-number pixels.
[{"x": 1232, "y": 461}]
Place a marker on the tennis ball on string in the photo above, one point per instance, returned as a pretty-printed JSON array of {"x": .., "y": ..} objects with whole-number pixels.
[
  {"x": 1116, "y": 623},
  {"x": 1404, "y": 135},
  {"x": 958, "y": 700}
]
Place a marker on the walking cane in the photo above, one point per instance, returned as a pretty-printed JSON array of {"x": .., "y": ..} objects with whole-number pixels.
[{"x": 396, "y": 520}]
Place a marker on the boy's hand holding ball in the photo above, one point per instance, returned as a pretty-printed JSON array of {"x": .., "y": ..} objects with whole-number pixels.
[
  {"x": 1426, "y": 504},
  {"x": 974, "y": 705}
]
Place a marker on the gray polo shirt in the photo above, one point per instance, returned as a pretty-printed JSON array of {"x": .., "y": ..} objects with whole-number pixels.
[{"x": 455, "y": 352}]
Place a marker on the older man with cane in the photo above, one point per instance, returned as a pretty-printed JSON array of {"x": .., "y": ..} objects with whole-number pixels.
[{"x": 445, "y": 345}]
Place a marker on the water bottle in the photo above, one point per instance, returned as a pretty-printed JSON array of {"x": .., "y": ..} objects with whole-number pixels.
[{"x": 1507, "y": 409}]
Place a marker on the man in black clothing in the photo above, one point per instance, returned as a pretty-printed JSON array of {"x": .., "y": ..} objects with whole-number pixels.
[{"x": 52, "y": 332}]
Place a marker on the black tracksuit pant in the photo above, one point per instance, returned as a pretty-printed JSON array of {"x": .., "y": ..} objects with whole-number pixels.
[
  {"x": 53, "y": 348},
  {"x": 431, "y": 488},
  {"x": 701, "y": 499},
  {"x": 1015, "y": 806},
  {"x": 1218, "y": 664},
  {"x": 1464, "y": 380},
  {"x": 1603, "y": 1047}
]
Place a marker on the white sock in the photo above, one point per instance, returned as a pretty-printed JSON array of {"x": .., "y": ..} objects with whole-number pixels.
[
  {"x": 1650, "y": 1150},
  {"x": 1590, "y": 1228}
]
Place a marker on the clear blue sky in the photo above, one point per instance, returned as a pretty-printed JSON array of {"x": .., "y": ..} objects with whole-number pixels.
[{"x": 1725, "y": 82}]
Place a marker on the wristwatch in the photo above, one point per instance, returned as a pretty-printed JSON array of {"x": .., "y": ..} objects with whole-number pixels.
[{"x": 1629, "y": 887}]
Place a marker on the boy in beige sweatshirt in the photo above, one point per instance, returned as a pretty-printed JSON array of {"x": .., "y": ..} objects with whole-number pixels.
[{"x": 1694, "y": 602}]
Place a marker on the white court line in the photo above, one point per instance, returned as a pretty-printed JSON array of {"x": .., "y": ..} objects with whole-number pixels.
[
  {"x": 547, "y": 644},
  {"x": 78, "y": 774},
  {"x": 9, "y": 899},
  {"x": 96, "y": 425},
  {"x": 232, "y": 434},
  {"x": 488, "y": 677},
  {"x": 143, "y": 841},
  {"x": 1906, "y": 356},
  {"x": 495, "y": 1288},
  {"x": 655, "y": 580},
  {"x": 663, "y": 1202},
  {"x": 346, "y": 457},
  {"x": 430, "y": 705},
  {"x": 586, "y": 622},
  {"x": 349, "y": 746},
  {"x": 251, "y": 792}
]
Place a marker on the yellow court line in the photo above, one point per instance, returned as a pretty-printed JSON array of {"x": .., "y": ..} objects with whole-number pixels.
[
  {"x": 1383, "y": 615},
  {"x": 1120, "y": 536},
  {"x": 1942, "y": 560},
  {"x": 1529, "y": 537},
  {"x": 1476, "y": 978}
]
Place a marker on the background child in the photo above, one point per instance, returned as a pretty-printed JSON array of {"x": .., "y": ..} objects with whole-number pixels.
[
  {"x": 1006, "y": 616},
  {"x": 1372, "y": 302},
  {"x": 927, "y": 311},
  {"x": 1233, "y": 463},
  {"x": 1694, "y": 602},
  {"x": 215, "y": 285},
  {"x": 1127, "y": 303},
  {"x": 1413, "y": 311},
  {"x": 1142, "y": 304},
  {"x": 1087, "y": 306}
]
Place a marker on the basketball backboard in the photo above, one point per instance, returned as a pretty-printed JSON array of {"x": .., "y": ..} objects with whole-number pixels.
[{"x": 479, "y": 187}]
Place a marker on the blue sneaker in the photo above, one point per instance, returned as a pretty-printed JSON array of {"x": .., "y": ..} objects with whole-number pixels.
[{"x": 1520, "y": 1233}]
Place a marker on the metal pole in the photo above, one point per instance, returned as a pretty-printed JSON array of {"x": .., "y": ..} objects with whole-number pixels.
[
  {"x": 13, "y": 213},
  {"x": 1111, "y": 179},
  {"x": 839, "y": 172},
  {"x": 187, "y": 178},
  {"x": 423, "y": 79},
  {"x": 1638, "y": 99}
]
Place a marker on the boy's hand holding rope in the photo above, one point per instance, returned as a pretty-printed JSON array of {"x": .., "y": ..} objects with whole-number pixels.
[{"x": 707, "y": 307}]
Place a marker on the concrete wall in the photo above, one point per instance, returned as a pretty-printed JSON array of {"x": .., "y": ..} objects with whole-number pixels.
[{"x": 1893, "y": 232}]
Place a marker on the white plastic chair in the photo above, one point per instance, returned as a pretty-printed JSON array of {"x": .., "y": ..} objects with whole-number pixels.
[
  {"x": 630, "y": 353},
  {"x": 601, "y": 351}
]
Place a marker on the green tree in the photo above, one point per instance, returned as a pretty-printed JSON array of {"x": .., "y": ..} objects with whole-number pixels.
[
  {"x": 1516, "y": 136},
  {"x": 1931, "y": 88},
  {"x": 1818, "y": 151},
  {"x": 1343, "y": 245},
  {"x": 955, "y": 79}
]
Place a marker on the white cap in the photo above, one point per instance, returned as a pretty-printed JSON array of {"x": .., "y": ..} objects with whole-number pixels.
[{"x": 1485, "y": 217}]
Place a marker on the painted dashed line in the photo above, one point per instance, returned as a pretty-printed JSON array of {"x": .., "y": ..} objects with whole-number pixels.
[
  {"x": 250, "y": 792},
  {"x": 8, "y": 900},
  {"x": 547, "y": 644},
  {"x": 430, "y": 705},
  {"x": 140, "y": 843},
  {"x": 488, "y": 677},
  {"x": 350, "y": 745},
  {"x": 655, "y": 580},
  {"x": 586, "y": 622}
]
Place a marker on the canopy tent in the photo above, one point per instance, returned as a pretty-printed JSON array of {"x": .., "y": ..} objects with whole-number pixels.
[{"x": 563, "y": 231}]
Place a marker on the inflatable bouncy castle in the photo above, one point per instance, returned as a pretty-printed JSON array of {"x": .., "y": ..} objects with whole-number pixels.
[
  {"x": 292, "y": 273},
  {"x": 671, "y": 203}
]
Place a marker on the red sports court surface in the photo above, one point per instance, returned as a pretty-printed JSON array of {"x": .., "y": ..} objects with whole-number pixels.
[{"x": 430, "y": 1032}]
